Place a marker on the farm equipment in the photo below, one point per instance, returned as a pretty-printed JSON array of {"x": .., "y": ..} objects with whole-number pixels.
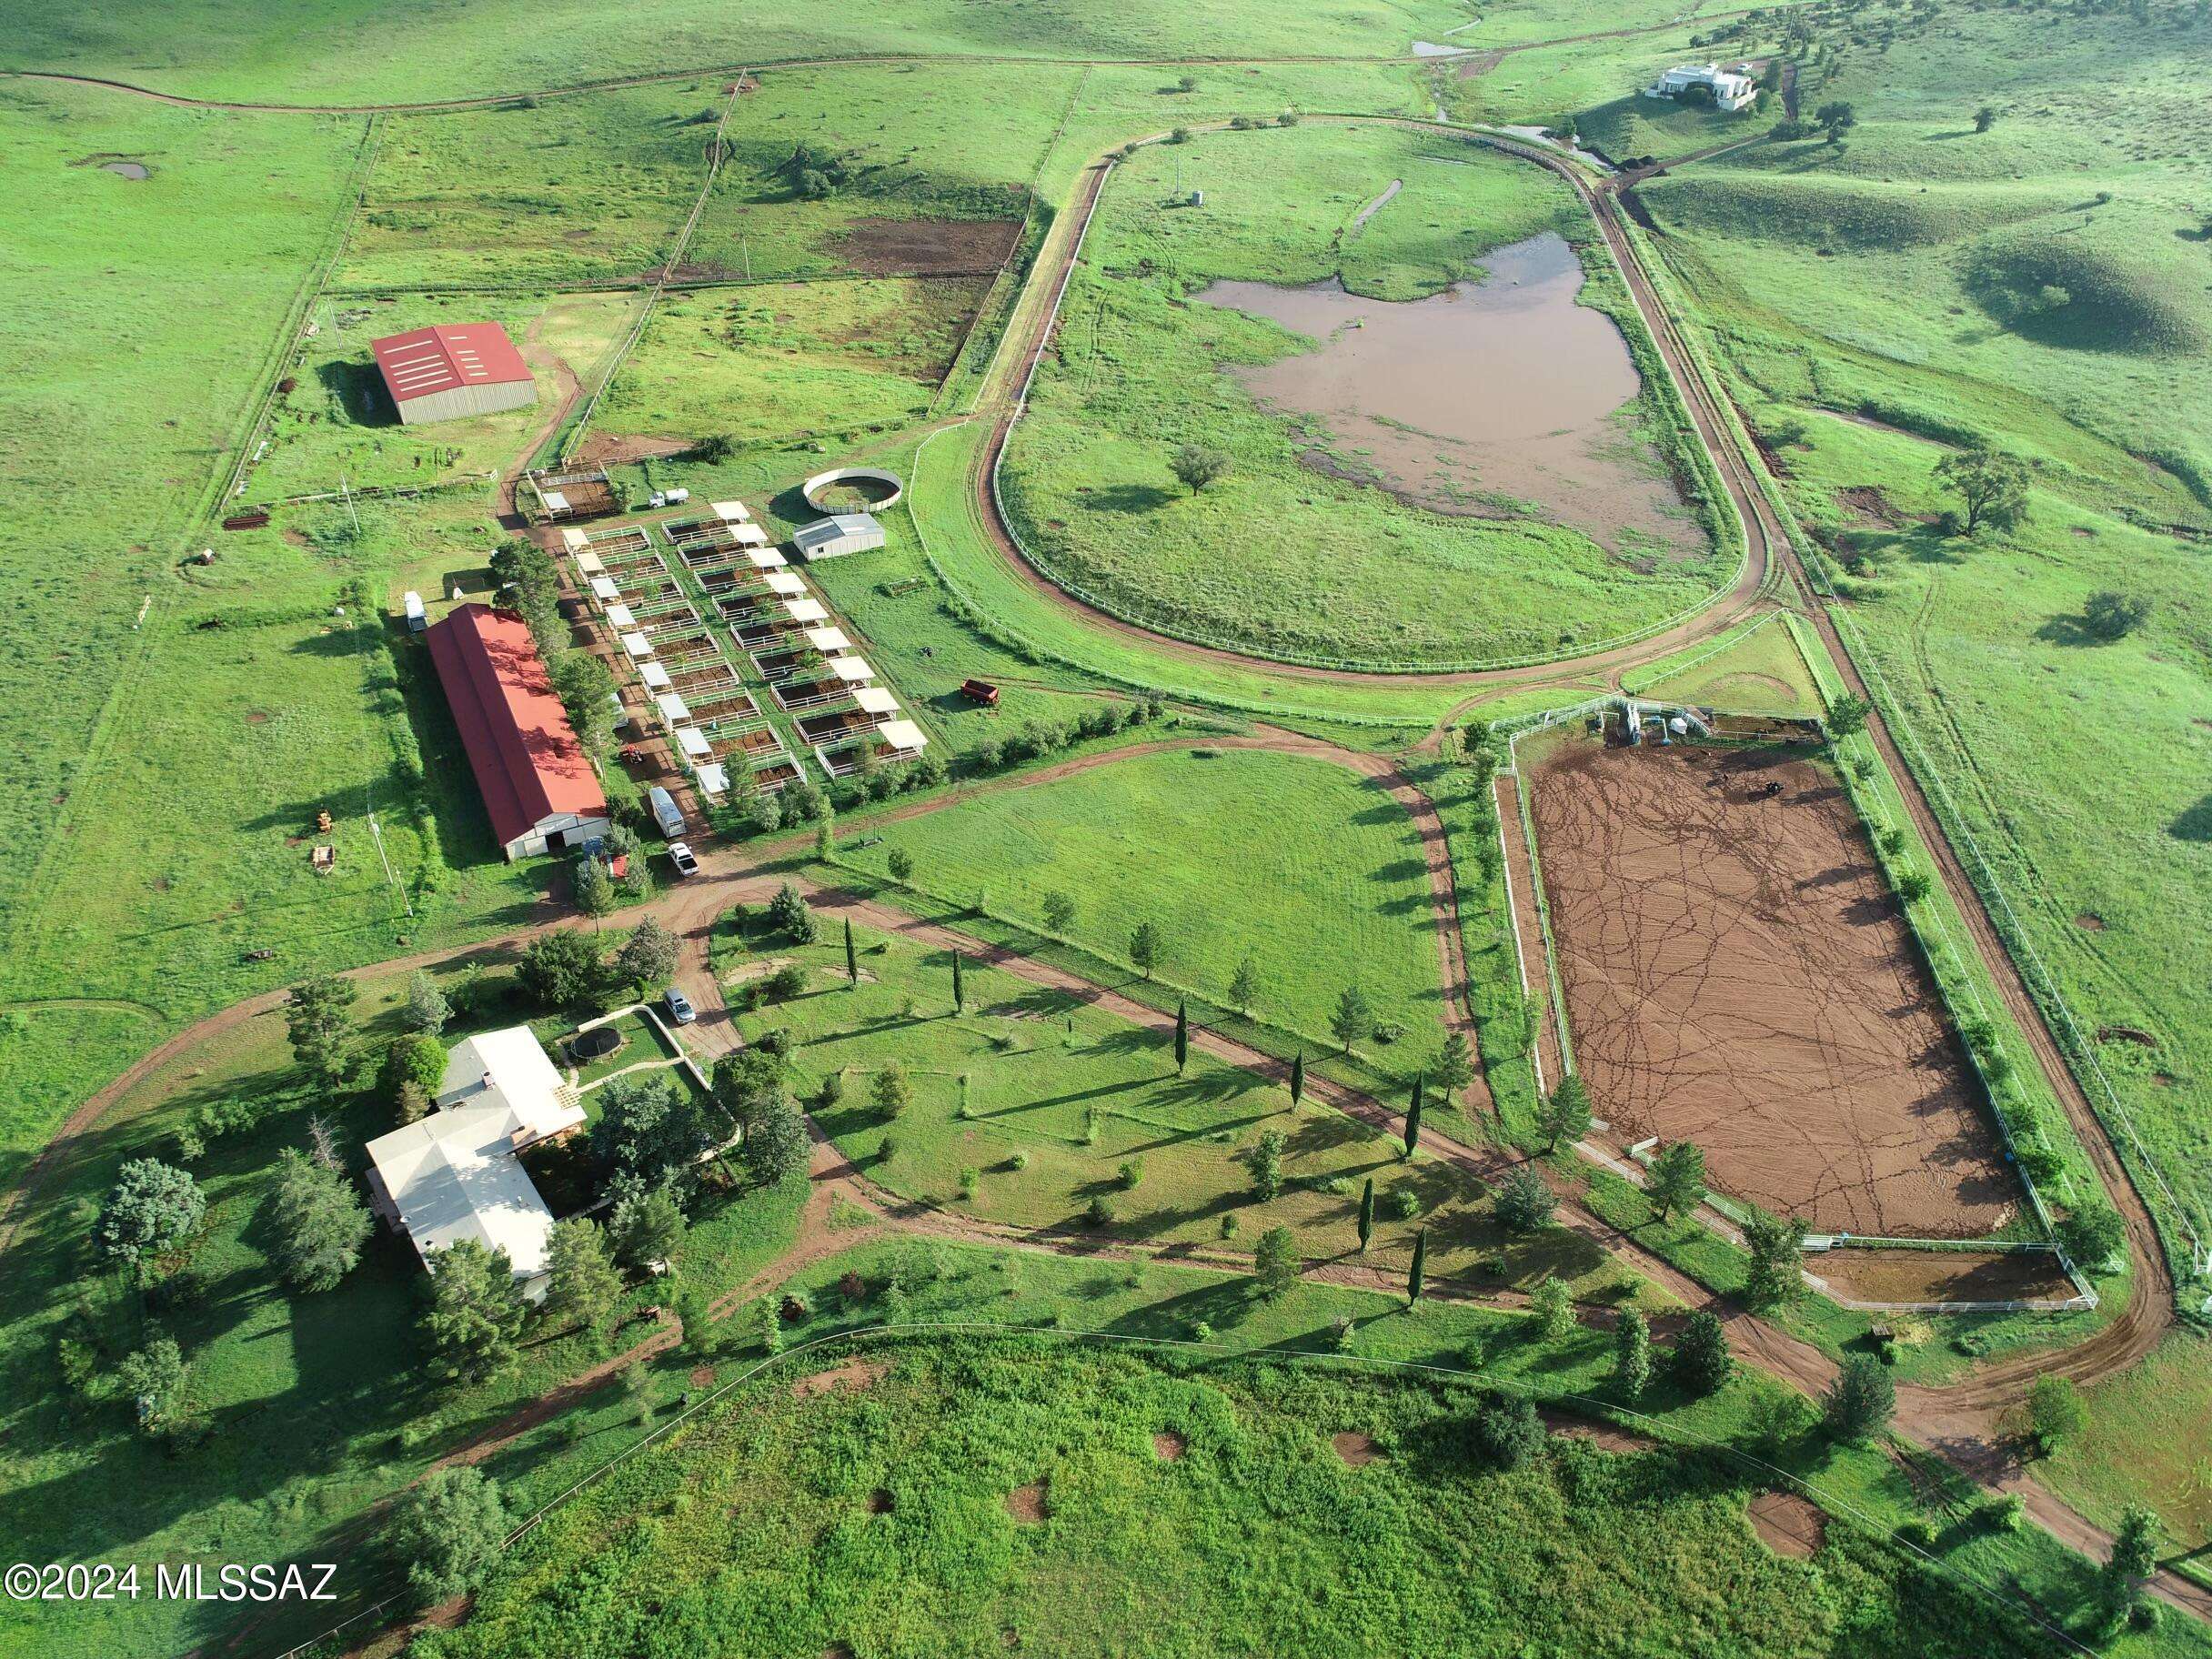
[{"x": 981, "y": 691}]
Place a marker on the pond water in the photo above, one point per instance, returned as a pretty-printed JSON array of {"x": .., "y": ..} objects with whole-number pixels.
[
  {"x": 1487, "y": 399},
  {"x": 128, "y": 169}
]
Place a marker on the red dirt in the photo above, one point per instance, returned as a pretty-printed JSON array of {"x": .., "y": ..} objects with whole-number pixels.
[
  {"x": 1168, "y": 1446},
  {"x": 1605, "y": 1436},
  {"x": 603, "y": 450},
  {"x": 878, "y": 247},
  {"x": 1357, "y": 1450},
  {"x": 1942, "y": 1275},
  {"x": 855, "y": 1373},
  {"x": 1737, "y": 975},
  {"x": 1026, "y": 1503},
  {"x": 1788, "y": 1524}
]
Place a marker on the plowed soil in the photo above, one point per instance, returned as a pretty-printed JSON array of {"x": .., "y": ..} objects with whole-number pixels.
[
  {"x": 1923, "y": 1275},
  {"x": 1737, "y": 975},
  {"x": 878, "y": 247}
]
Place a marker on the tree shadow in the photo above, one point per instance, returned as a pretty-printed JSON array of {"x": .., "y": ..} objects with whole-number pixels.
[
  {"x": 2193, "y": 825},
  {"x": 1129, "y": 498}
]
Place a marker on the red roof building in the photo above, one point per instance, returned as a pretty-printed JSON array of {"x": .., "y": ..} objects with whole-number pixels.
[
  {"x": 448, "y": 371},
  {"x": 538, "y": 784}
]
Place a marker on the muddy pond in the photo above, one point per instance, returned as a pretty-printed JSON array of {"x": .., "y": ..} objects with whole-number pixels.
[{"x": 1490, "y": 399}]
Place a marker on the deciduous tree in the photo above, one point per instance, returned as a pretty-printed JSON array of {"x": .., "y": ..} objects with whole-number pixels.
[
  {"x": 648, "y": 956},
  {"x": 1991, "y": 484},
  {"x": 561, "y": 968},
  {"x": 649, "y": 1132},
  {"x": 1632, "y": 1354},
  {"x": 890, "y": 1089},
  {"x": 1353, "y": 1018},
  {"x": 1244, "y": 985},
  {"x": 1551, "y": 1309},
  {"x": 2055, "y": 1412},
  {"x": 1265, "y": 1163},
  {"x": 1776, "y": 1247},
  {"x": 1861, "y": 1401},
  {"x": 1195, "y": 466},
  {"x": 1144, "y": 947},
  {"x": 446, "y": 1531},
  {"x": 1059, "y": 912}
]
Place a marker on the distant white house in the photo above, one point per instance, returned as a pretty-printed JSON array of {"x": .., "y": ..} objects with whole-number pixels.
[
  {"x": 456, "y": 1175},
  {"x": 840, "y": 533},
  {"x": 1731, "y": 88}
]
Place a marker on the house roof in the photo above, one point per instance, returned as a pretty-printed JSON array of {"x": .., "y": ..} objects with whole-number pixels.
[
  {"x": 453, "y": 1174},
  {"x": 424, "y": 362},
  {"x": 528, "y": 765}
]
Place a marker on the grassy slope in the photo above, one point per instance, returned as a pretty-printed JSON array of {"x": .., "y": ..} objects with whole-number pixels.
[
  {"x": 1302, "y": 864},
  {"x": 1237, "y": 1546},
  {"x": 1276, "y": 557},
  {"x": 2025, "y": 722}
]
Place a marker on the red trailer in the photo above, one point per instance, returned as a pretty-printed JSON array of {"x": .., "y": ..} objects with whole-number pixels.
[{"x": 981, "y": 691}]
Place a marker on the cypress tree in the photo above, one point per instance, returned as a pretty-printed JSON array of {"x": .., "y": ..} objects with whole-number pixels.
[
  {"x": 1367, "y": 1213},
  {"x": 1182, "y": 1037},
  {"x": 853, "y": 957},
  {"x": 1420, "y": 1268},
  {"x": 1412, "y": 1113},
  {"x": 960, "y": 992},
  {"x": 1298, "y": 1079}
]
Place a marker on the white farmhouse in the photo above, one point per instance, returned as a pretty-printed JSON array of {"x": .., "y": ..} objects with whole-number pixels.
[
  {"x": 1731, "y": 88},
  {"x": 455, "y": 1174}
]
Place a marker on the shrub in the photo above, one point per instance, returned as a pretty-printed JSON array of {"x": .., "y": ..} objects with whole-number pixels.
[
  {"x": 1523, "y": 1203},
  {"x": 1404, "y": 1202},
  {"x": 1101, "y": 1212}
]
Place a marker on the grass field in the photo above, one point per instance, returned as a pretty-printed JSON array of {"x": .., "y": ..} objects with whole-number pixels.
[
  {"x": 1278, "y": 557},
  {"x": 1305, "y": 865},
  {"x": 2145, "y": 1443},
  {"x": 906, "y": 1479},
  {"x": 1044, "y": 1101},
  {"x": 1755, "y": 669}
]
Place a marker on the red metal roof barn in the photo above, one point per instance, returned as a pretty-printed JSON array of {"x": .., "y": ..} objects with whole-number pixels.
[
  {"x": 451, "y": 370},
  {"x": 537, "y": 783}
]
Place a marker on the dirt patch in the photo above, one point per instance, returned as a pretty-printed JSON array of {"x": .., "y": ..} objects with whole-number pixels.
[
  {"x": 879, "y": 1501},
  {"x": 1928, "y": 1275},
  {"x": 1027, "y": 1505},
  {"x": 744, "y": 973},
  {"x": 1168, "y": 1446},
  {"x": 1788, "y": 1524},
  {"x": 257, "y": 717},
  {"x": 1356, "y": 1450},
  {"x": 854, "y": 1373},
  {"x": 1865, "y": 504},
  {"x": 612, "y": 450},
  {"x": 2090, "y": 922},
  {"x": 878, "y": 246},
  {"x": 702, "y": 1376},
  {"x": 1477, "y": 64},
  {"x": 837, "y": 1650},
  {"x": 1605, "y": 1436},
  {"x": 2126, "y": 1033},
  {"x": 1737, "y": 975}
]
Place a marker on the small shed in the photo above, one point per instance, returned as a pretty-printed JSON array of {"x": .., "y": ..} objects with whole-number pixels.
[
  {"x": 839, "y": 534},
  {"x": 618, "y": 615},
  {"x": 693, "y": 743}
]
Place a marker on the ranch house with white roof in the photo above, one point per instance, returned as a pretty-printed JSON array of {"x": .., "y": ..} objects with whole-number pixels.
[{"x": 1731, "y": 88}]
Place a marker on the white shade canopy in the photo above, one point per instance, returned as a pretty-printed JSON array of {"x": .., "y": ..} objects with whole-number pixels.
[
  {"x": 574, "y": 541},
  {"x": 712, "y": 781},
  {"x": 805, "y": 610},
  {"x": 875, "y": 699},
  {"x": 852, "y": 671},
  {"x": 902, "y": 734},
  {"x": 672, "y": 707},
  {"x": 748, "y": 535},
  {"x": 766, "y": 558},
  {"x": 602, "y": 586},
  {"x": 785, "y": 583},
  {"x": 694, "y": 743},
  {"x": 637, "y": 645},
  {"x": 733, "y": 511},
  {"x": 620, "y": 616},
  {"x": 656, "y": 678},
  {"x": 829, "y": 640}
]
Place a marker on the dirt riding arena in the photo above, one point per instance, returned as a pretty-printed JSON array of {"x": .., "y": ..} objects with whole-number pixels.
[{"x": 1737, "y": 975}]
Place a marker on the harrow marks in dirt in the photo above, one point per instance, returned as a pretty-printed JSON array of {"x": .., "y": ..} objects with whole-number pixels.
[{"x": 1736, "y": 975}]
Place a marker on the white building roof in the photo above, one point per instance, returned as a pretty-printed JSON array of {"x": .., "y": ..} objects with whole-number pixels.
[
  {"x": 454, "y": 1175},
  {"x": 766, "y": 558},
  {"x": 656, "y": 678},
  {"x": 785, "y": 583},
  {"x": 575, "y": 541},
  {"x": 693, "y": 743},
  {"x": 903, "y": 735},
  {"x": 827, "y": 640},
  {"x": 748, "y": 535},
  {"x": 805, "y": 610},
  {"x": 672, "y": 707},
  {"x": 602, "y": 586},
  {"x": 712, "y": 780},
  {"x": 852, "y": 671},
  {"x": 620, "y": 616},
  {"x": 875, "y": 699},
  {"x": 555, "y": 501},
  {"x": 637, "y": 645},
  {"x": 840, "y": 533},
  {"x": 731, "y": 512}
]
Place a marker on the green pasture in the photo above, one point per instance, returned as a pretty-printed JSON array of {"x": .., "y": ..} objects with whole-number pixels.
[
  {"x": 1756, "y": 668},
  {"x": 1305, "y": 865},
  {"x": 2145, "y": 1443},
  {"x": 785, "y": 362},
  {"x": 903, "y": 1476},
  {"x": 1045, "y": 1100},
  {"x": 1278, "y": 557}
]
